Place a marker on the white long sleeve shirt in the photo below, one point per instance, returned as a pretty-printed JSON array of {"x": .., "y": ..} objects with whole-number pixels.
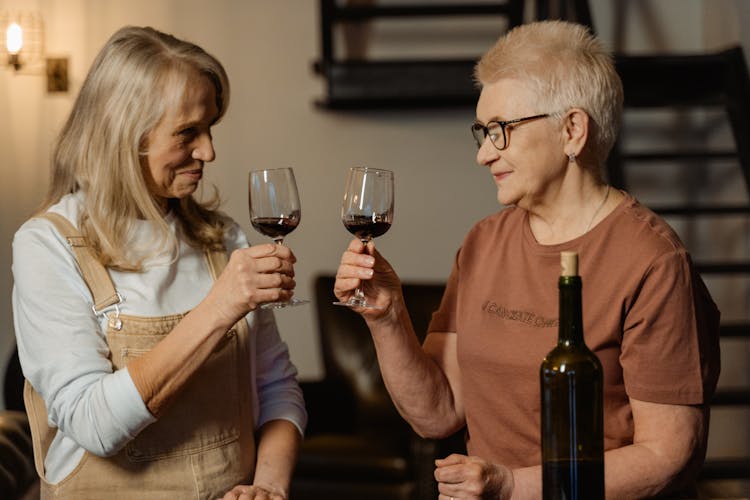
[{"x": 63, "y": 349}]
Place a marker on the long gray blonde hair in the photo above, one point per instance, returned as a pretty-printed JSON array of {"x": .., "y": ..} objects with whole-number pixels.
[{"x": 136, "y": 76}]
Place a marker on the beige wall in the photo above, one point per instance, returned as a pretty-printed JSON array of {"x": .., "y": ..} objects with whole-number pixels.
[{"x": 268, "y": 47}]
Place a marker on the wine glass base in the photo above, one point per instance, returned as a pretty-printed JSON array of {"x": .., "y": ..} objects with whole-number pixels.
[
  {"x": 357, "y": 303},
  {"x": 282, "y": 305}
]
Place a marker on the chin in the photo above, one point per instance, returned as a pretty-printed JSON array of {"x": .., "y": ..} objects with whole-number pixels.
[
  {"x": 186, "y": 191},
  {"x": 504, "y": 199}
]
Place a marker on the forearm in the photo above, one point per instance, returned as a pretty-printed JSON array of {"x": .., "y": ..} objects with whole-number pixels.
[
  {"x": 630, "y": 472},
  {"x": 278, "y": 443},
  {"x": 639, "y": 472},
  {"x": 668, "y": 447},
  {"x": 418, "y": 385},
  {"x": 160, "y": 374}
]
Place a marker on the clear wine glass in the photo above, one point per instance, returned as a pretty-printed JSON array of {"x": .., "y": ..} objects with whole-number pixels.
[
  {"x": 367, "y": 212},
  {"x": 275, "y": 211}
]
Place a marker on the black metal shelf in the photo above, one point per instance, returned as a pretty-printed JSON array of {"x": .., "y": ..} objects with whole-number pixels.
[
  {"x": 399, "y": 84},
  {"x": 340, "y": 13},
  {"x": 682, "y": 156},
  {"x": 723, "y": 267},
  {"x": 694, "y": 210},
  {"x": 737, "y": 396},
  {"x": 725, "y": 468},
  {"x": 735, "y": 330}
]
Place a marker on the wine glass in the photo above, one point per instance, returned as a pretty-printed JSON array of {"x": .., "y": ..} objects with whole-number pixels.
[
  {"x": 367, "y": 212},
  {"x": 275, "y": 211}
]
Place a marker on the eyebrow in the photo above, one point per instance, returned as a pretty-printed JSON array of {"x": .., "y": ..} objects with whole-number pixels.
[
  {"x": 187, "y": 124},
  {"x": 494, "y": 119},
  {"x": 193, "y": 123}
]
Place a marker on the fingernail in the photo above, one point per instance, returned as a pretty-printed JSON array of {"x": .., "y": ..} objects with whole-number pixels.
[{"x": 371, "y": 261}]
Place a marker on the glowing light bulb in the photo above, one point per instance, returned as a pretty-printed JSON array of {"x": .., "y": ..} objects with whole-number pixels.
[{"x": 14, "y": 38}]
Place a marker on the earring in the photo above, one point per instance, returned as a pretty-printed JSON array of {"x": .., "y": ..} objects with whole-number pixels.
[{"x": 571, "y": 157}]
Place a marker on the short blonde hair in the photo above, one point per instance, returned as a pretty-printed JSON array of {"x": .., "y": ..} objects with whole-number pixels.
[
  {"x": 568, "y": 68},
  {"x": 137, "y": 76}
]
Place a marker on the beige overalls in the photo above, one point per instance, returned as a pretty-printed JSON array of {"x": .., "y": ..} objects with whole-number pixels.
[{"x": 199, "y": 449}]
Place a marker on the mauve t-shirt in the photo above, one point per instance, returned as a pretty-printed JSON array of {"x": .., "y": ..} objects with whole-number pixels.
[{"x": 647, "y": 315}]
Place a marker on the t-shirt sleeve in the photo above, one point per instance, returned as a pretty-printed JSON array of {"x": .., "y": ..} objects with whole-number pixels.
[
  {"x": 670, "y": 337},
  {"x": 444, "y": 319}
]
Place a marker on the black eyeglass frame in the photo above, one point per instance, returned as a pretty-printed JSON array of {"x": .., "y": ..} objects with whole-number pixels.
[{"x": 485, "y": 129}]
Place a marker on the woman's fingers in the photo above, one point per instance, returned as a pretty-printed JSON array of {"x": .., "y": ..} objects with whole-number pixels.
[{"x": 356, "y": 246}]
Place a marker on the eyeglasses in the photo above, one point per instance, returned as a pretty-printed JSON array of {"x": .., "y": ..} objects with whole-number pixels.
[{"x": 496, "y": 131}]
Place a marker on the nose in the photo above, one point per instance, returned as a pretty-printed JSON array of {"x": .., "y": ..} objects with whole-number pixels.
[
  {"x": 487, "y": 153},
  {"x": 204, "y": 148}
]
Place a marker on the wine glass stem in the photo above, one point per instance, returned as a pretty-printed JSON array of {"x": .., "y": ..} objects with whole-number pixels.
[
  {"x": 279, "y": 241},
  {"x": 359, "y": 294}
]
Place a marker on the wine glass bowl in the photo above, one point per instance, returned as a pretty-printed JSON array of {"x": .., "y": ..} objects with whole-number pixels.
[
  {"x": 275, "y": 210},
  {"x": 367, "y": 212}
]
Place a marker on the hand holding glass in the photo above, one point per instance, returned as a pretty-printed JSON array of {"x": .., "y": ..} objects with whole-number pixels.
[
  {"x": 275, "y": 210},
  {"x": 367, "y": 212}
]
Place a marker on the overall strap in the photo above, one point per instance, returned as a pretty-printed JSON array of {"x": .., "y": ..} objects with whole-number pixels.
[
  {"x": 103, "y": 291},
  {"x": 94, "y": 273}
]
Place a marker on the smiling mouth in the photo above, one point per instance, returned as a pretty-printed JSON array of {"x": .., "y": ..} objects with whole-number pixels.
[{"x": 501, "y": 175}]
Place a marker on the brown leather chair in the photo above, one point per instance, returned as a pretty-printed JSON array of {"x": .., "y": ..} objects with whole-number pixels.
[
  {"x": 357, "y": 446},
  {"x": 18, "y": 479}
]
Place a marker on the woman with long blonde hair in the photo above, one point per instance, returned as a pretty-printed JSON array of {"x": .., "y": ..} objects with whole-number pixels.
[{"x": 134, "y": 301}]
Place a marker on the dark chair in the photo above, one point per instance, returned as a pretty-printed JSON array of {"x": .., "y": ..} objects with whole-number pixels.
[
  {"x": 357, "y": 445},
  {"x": 18, "y": 479}
]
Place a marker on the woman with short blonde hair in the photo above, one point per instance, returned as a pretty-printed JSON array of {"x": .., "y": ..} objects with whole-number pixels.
[
  {"x": 546, "y": 119},
  {"x": 567, "y": 68}
]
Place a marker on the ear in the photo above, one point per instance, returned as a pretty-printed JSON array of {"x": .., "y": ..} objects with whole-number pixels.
[{"x": 575, "y": 131}]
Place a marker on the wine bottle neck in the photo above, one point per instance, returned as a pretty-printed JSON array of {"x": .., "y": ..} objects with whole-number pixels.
[{"x": 571, "y": 315}]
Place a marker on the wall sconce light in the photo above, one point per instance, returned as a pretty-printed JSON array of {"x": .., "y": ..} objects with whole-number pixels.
[
  {"x": 14, "y": 42},
  {"x": 22, "y": 40},
  {"x": 22, "y": 48}
]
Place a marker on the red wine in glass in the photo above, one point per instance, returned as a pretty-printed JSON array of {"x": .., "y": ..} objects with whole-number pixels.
[
  {"x": 276, "y": 227},
  {"x": 275, "y": 211},
  {"x": 367, "y": 212},
  {"x": 365, "y": 228}
]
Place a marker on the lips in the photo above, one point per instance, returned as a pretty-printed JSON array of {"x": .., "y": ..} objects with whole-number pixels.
[
  {"x": 194, "y": 174},
  {"x": 499, "y": 176}
]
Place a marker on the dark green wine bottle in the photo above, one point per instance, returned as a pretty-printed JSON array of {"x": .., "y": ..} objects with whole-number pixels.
[{"x": 572, "y": 406}]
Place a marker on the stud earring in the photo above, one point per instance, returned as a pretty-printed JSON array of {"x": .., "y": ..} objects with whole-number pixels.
[{"x": 572, "y": 157}]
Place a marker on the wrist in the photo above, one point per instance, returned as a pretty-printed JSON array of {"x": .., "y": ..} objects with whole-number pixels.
[
  {"x": 394, "y": 316},
  {"x": 214, "y": 317},
  {"x": 277, "y": 491}
]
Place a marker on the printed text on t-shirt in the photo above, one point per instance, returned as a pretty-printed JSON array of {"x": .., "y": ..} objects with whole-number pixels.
[{"x": 525, "y": 317}]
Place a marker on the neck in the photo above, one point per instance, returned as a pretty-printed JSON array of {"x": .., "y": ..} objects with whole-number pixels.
[{"x": 570, "y": 212}]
